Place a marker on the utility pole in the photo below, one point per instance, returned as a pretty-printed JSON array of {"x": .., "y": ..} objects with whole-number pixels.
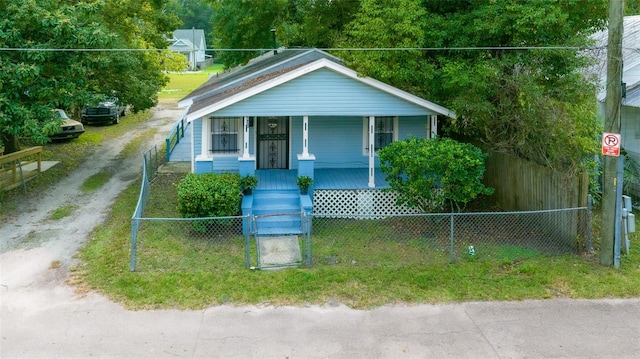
[{"x": 611, "y": 125}]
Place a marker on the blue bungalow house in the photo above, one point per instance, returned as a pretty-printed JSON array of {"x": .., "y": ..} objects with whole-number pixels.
[{"x": 303, "y": 112}]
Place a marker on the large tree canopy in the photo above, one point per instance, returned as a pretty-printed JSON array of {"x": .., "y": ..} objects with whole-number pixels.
[
  {"x": 307, "y": 23},
  {"x": 47, "y": 62},
  {"x": 196, "y": 14},
  {"x": 533, "y": 102}
]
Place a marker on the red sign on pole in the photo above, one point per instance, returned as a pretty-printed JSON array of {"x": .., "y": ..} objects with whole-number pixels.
[{"x": 611, "y": 144}]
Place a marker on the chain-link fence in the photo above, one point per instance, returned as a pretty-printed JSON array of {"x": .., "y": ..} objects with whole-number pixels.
[
  {"x": 211, "y": 244},
  {"x": 183, "y": 244},
  {"x": 442, "y": 238}
]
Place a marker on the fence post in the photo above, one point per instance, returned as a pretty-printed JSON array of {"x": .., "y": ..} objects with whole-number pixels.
[
  {"x": 134, "y": 236},
  {"x": 157, "y": 161},
  {"x": 308, "y": 218},
  {"x": 452, "y": 249},
  {"x": 168, "y": 151},
  {"x": 247, "y": 242},
  {"x": 588, "y": 224}
]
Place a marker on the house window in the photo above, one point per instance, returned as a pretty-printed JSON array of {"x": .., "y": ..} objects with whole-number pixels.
[
  {"x": 225, "y": 135},
  {"x": 385, "y": 132}
]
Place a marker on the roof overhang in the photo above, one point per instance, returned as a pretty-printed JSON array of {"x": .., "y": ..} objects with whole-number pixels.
[{"x": 301, "y": 71}]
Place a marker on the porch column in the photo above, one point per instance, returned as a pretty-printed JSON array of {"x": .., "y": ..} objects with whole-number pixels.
[
  {"x": 245, "y": 137},
  {"x": 372, "y": 152},
  {"x": 247, "y": 162},
  {"x": 305, "y": 136},
  {"x": 305, "y": 160},
  {"x": 433, "y": 126}
]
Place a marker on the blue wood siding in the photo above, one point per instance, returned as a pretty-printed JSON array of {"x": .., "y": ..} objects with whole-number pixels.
[
  {"x": 336, "y": 142},
  {"x": 226, "y": 164},
  {"x": 323, "y": 92},
  {"x": 197, "y": 137},
  {"x": 415, "y": 126}
]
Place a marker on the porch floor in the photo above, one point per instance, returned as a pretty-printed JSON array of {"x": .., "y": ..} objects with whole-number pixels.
[
  {"x": 182, "y": 151},
  {"x": 332, "y": 178}
]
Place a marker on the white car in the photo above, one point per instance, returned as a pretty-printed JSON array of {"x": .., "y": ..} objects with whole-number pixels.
[{"x": 69, "y": 129}]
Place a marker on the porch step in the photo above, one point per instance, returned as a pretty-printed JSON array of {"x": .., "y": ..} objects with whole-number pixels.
[{"x": 277, "y": 212}]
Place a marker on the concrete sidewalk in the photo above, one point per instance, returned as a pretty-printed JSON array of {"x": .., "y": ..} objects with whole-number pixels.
[{"x": 54, "y": 324}]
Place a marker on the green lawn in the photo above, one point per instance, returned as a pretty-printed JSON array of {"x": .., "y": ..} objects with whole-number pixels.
[
  {"x": 213, "y": 272},
  {"x": 181, "y": 84}
]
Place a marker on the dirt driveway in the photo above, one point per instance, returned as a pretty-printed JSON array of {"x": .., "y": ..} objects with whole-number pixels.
[{"x": 37, "y": 252}]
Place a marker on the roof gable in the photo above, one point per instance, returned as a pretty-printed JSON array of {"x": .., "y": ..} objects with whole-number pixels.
[
  {"x": 214, "y": 96},
  {"x": 192, "y": 36}
]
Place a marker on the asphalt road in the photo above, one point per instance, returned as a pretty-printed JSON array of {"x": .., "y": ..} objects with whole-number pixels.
[{"x": 55, "y": 324}]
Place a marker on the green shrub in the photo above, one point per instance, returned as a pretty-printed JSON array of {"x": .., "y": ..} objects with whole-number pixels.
[
  {"x": 430, "y": 173},
  {"x": 209, "y": 195}
]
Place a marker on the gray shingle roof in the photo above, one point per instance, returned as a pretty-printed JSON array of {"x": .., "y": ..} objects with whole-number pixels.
[{"x": 192, "y": 35}]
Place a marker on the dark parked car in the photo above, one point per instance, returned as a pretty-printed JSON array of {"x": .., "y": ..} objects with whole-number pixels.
[
  {"x": 106, "y": 112},
  {"x": 69, "y": 129}
]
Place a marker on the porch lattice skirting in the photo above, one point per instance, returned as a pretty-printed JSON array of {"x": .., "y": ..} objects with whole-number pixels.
[{"x": 365, "y": 202}]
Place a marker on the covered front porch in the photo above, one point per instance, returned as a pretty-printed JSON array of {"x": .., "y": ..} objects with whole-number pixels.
[{"x": 281, "y": 179}]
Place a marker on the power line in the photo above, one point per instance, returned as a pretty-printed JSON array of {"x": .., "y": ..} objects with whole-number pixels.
[{"x": 479, "y": 48}]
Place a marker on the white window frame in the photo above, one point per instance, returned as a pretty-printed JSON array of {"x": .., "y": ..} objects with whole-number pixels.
[
  {"x": 209, "y": 130},
  {"x": 365, "y": 133}
]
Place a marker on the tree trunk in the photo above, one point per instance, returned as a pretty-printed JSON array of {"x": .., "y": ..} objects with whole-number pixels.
[{"x": 10, "y": 143}]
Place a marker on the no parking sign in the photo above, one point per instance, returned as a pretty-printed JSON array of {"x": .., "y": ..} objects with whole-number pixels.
[{"x": 611, "y": 144}]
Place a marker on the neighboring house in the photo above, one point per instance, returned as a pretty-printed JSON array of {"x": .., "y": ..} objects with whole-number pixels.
[
  {"x": 303, "y": 112},
  {"x": 192, "y": 44},
  {"x": 630, "y": 109}
]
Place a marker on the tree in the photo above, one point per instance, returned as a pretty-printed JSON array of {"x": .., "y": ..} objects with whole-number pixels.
[
  {"x": 298, "y": 23},
  {"x": 389, "y": 24},
  {"x": 35, "y": 80},
  {"x": 316, "y": 23},
  {"x": 430, "y": 173},
  {"x": 136, "y": 76},
  {"x": 245, "y": 25},
  {"x": 52, "y": 57},
  {"x": 193, "y": 13},
  {"x": 534, "y": 103}
]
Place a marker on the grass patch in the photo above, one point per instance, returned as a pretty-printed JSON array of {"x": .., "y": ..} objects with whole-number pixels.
[
  {"x": 132, "y": 147},
  {"x": 208, "y": 277},
  {"x": 181, "y": 84},
  {"x": 96, "y": 181},
  {"x": 214, "y": 68},
  {"x": 62, "y": 212}
]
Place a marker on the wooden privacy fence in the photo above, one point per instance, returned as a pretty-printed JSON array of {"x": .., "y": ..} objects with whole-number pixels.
[
  {"x": 18, "y": 167},
  {"x": 521, "y": 185}
]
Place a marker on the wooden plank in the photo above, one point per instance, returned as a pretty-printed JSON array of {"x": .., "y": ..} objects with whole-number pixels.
[
  {"x": 20, "y": 154},
  {"x": 521, "y": 185}
]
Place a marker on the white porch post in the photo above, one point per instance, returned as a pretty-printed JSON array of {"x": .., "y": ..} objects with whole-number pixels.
[
  {"x": 193, "y": 157},
  {"x": 306, "y": 161},
  {"x": 245, "y": 137},
  {"x": 305, "y": 136},
  {"x": 433, "y": 119},
  {"x": 372, "y": 152}
]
